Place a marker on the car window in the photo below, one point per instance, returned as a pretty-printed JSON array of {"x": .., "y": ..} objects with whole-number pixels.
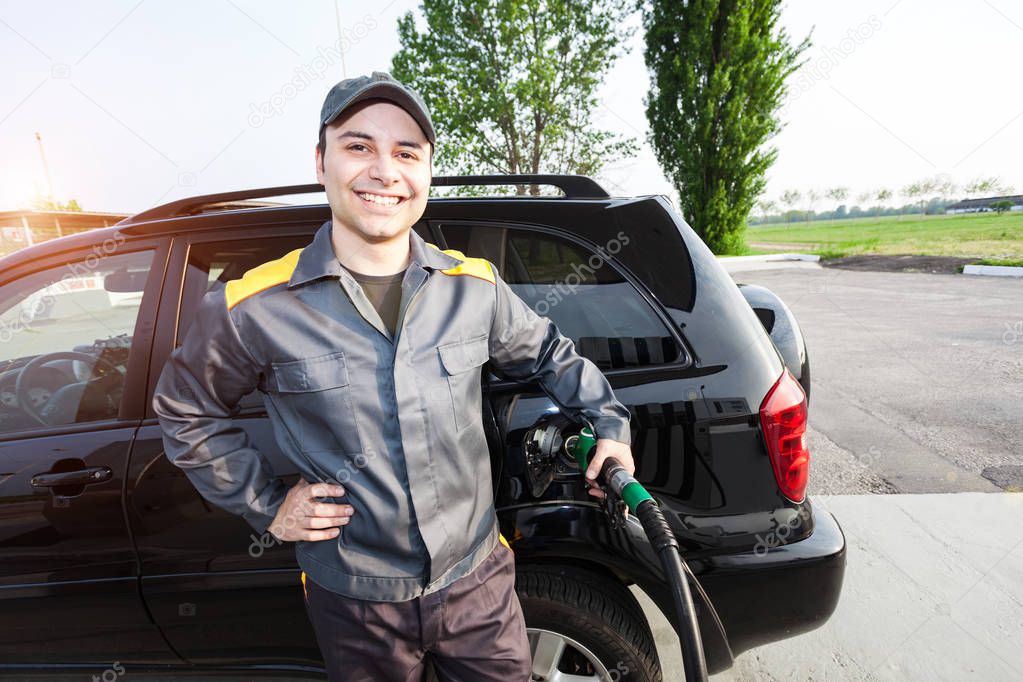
[
  {"x": 213, "y": 264},
  {"x": 611, "y": 323},
  {"x": 65, "y": 335}
]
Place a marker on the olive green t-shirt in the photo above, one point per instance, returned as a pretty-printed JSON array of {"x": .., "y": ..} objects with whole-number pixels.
[{"x": 384, "y": 292}]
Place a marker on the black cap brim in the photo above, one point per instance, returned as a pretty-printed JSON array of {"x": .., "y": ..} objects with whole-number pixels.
[{"x": 391, "y": 93}]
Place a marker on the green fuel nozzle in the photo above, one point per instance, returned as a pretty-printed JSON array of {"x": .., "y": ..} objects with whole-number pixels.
[
  {"x": 621, "y": 482},
  {"x": 581, "y": 447}
]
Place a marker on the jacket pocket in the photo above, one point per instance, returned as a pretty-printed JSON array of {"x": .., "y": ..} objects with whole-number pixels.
[
  {"x": 316, "y": 401},
  {"x": 311, "y": 374},
  {"x": 462, "y": 361}
]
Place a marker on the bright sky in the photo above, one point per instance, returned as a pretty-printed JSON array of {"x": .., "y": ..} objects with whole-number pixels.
[{"x": 141, "y": 103}]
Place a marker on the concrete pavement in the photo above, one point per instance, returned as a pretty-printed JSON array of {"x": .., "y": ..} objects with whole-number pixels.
[{"x": 933, "y": 591}]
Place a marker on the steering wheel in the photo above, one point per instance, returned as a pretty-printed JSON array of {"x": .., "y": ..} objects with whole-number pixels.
[{"x": 49, "y": 415}]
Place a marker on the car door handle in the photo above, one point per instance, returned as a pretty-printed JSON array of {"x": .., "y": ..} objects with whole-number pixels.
[{"x": 77, "y": 477}]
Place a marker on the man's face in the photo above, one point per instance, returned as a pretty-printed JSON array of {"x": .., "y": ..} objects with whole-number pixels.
[{"x": 376, "y": 169}]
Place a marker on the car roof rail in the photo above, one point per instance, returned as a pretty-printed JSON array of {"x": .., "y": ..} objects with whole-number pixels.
[
  {"x": 193, "y": 205},
  {"x": 574, "y": 187}
]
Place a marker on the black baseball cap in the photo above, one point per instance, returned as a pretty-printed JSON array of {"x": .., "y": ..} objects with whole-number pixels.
[{"x": 379, "y": 85}]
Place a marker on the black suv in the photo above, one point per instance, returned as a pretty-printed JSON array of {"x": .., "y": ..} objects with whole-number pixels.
[{"x": 111, "y": 561}]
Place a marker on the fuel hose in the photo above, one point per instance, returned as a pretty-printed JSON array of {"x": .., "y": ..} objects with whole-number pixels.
[{"x": 664, "y": 542}]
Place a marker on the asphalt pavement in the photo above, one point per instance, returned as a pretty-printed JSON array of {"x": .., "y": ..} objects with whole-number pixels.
[
  {"x": 917, "y": 379},
  {"x": 916, "y": 417}
]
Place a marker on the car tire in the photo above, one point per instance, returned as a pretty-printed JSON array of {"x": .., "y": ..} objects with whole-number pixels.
[{"x": 595, "y": 616}]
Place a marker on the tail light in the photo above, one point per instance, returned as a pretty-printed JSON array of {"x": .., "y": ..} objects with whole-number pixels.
[{"x": 783, "y": 418}]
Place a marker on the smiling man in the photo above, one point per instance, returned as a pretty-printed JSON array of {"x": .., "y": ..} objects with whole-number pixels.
[{"x": 368, "y": 346}]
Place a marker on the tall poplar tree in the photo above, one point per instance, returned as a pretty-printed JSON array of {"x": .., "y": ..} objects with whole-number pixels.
[{"x": 718, "y": 70}]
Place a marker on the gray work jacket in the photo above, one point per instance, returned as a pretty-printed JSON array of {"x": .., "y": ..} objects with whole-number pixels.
[{"x": 396, "y": 421}]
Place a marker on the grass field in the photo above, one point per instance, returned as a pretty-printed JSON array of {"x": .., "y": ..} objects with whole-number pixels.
[{"x": 985, "y": 236}]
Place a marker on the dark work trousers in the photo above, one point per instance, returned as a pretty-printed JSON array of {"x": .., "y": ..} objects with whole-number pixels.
[{"x": 472, "y": 630}]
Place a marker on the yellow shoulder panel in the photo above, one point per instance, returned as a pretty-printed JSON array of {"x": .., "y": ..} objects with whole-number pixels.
[
  {"x": 261, "y": 277},
  {"x": 474, "y": 267}
]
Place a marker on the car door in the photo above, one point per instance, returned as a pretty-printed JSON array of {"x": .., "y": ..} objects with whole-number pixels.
[
  {"x": 220, "y": 593},
  {"x": 75, "y": 337}
]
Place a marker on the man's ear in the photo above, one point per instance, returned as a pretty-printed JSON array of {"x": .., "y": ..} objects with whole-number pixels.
[{"x": 319, "y": 164}]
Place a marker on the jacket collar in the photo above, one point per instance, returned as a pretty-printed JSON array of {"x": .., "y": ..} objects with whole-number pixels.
[{"x": 319, "y": 260}]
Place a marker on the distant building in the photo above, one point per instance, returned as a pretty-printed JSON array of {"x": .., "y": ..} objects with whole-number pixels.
[
  {"x": 19, "y": 229},
  {"x": 982, "y": 205}
]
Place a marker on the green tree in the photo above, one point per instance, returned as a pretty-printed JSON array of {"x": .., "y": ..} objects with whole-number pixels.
[
  {"x": 511, "y": 84},
  {"x": 767, "y": 207},
  {"x": 1001, "y": 206},
  {"x": 921, "y": 190},
  {"x": 718, "y": 73},
  {"x": 790, "y": 198},
  {"x": 945, "y": 187},
  {"x": 987, "y": 186},
  {"x": 812, "y": 196},
  {"x": 838, "y": 194},
  {"x": 40, "y": 203}
]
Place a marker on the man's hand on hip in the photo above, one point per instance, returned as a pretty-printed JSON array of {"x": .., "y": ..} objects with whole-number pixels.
[
  {"x": 607, "y": 447},
  {"x": 302, "y": 517}
]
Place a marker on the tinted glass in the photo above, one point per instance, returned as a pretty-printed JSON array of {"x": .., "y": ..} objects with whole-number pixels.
[
  {"x": 65, "y": 336},
  {"x": 610, "y": 322}
]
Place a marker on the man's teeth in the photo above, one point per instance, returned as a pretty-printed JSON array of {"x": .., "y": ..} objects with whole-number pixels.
[{"x": 377, "y": 199}]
